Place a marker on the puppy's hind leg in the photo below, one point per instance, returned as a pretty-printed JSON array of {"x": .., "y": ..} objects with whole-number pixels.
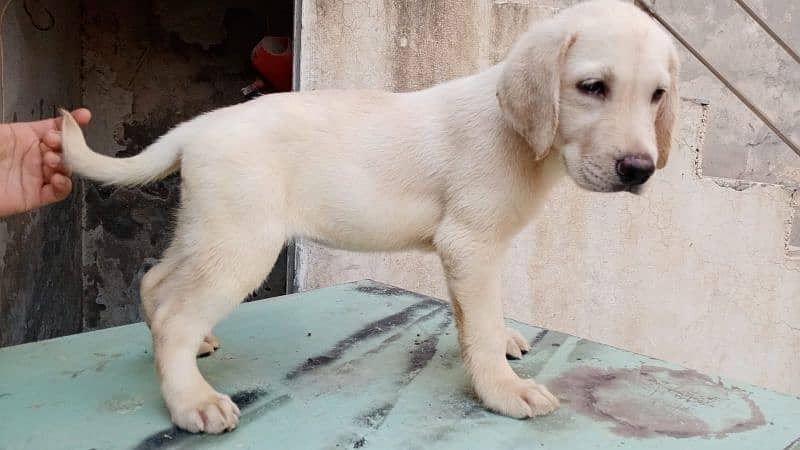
[
  {"x": 153, "y": 278},
  {"x": 219, "y": 269},
  {"x": 169, "y": 262}
]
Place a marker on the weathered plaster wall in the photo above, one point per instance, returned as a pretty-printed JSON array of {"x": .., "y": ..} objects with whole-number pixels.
[
  {"x": 40, "y": 289},
  {"x": 694, "y": 271}
]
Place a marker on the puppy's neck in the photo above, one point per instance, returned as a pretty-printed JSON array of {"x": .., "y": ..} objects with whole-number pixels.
[
  {"x": 472, "y": 113},
  {"x": 471, "y": 103}
]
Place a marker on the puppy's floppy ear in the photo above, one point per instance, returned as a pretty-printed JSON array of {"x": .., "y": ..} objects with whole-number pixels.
[
  {"x": 668, "y": 113},
  {"x": 530, "y": 84}
]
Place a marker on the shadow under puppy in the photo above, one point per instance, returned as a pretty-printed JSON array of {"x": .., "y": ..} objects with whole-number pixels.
[{"x": 457, "y": 169}]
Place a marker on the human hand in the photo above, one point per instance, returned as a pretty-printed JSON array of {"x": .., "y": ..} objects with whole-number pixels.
[{"x": 32, "y": 172}]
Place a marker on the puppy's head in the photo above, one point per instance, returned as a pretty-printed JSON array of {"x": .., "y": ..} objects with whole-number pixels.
[{"x": 598, "y": 83}]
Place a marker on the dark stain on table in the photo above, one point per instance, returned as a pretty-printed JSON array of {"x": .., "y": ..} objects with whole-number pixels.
[
  {"x": 538, "y": 338},
  {"x": 174, "y": 436},
  {"x": 384, "y": 344},
  {"x": 271, "y": 405},
  {"x": 419, "y": 357},
  {"x": 425, "y": 349},
  {"x": 373, "y": 329},
  {"x": 245, "y": 398},
  {"x": 375, "y": 417},
  {"x": 650, "y": 401},
  {"x": 376, "y": 288},
  {"x": 164, "y": 439}
]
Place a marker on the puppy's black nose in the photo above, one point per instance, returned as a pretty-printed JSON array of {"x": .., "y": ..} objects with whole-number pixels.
[{"x": 634, "y": 170}]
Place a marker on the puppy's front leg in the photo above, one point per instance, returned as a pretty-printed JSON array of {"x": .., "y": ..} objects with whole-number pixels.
[{"x": 473, "y": 278}]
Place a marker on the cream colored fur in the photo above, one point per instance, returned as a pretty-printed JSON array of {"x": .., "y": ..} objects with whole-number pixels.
[{"x": 458, "y": 169}]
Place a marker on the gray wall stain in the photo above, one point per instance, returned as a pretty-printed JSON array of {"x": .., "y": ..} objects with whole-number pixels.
[{"x": 417, "y": 30}]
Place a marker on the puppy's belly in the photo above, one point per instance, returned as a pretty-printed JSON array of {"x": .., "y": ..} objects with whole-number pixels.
[{"x": 374, "y": 226}]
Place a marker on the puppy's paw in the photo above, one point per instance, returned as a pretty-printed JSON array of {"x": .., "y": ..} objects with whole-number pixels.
[
  {"x": 212, "y": 413},
  {"x": 516, "y": 344},
  {"x": 208, "y": 346},
  {"x": 518, "y": 398}
]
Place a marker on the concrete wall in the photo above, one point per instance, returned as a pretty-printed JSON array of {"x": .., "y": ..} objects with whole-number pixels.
[
  {"x": 699, "y": 271},
  {"x": 40, "y": 289}
]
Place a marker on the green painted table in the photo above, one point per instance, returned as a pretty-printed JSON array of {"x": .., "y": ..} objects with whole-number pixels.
[{"x": 366, "y": 365}]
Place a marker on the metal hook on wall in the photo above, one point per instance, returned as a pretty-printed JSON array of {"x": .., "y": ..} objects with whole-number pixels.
[{"x": 51, "y": 21}]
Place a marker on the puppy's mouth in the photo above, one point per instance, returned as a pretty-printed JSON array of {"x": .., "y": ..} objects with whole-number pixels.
[
  {"x": 598, "y": 174},
  {"x": 594, "y": 177}
]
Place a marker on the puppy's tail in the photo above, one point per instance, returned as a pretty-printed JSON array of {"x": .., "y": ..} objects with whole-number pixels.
[{"x": 155, "y": 162}]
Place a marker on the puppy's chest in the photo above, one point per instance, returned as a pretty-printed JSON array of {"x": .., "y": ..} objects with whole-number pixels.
[
  {"x": 511, "y": 202},
  {"x": 516, "y": 211}
]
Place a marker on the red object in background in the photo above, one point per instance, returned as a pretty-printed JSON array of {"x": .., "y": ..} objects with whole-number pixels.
[{"x": 272, "y": 58}]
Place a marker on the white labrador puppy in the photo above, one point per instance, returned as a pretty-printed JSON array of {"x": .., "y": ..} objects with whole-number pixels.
[{"x": 458, "y": 169}]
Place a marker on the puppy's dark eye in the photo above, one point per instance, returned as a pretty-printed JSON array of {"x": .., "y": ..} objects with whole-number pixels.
[
  {"x": 593, "y": 87},
  {"x": 657, "y": 95}
]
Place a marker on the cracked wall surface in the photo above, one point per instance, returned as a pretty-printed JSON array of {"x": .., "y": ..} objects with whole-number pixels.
[{"x": 700, "y": 270}]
